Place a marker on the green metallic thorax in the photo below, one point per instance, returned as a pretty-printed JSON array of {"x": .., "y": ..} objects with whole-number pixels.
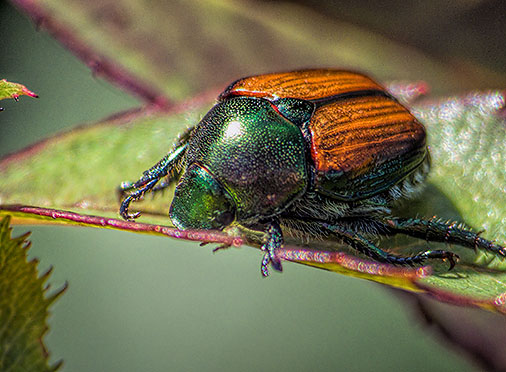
[{"x": 254, "y": 152}]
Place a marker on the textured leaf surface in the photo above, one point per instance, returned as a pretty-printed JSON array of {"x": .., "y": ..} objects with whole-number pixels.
[
  {"x": 88, "y": 164},
  {"x": 80, "y": 171},
  {"x": 14, "y": 90},
  {"x": 468, "y": 137},
  {"x": 468, "y": 149},
  {"x": 175, "y": 49},
  {"x": 24, "y": 304}
]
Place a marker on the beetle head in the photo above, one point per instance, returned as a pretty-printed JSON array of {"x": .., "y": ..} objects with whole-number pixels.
[{"x": 201, "y": 202}]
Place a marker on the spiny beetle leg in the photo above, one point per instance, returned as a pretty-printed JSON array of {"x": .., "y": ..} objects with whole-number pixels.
[
  {"x": 149, "y": 179},
  {"x": 366, "y": 247},
  {"x": 441, "y": 231},
  {"x": 443, "y": 255},
  {"x": 163, "y": 185},
  {"x": 137, "y": 194},
  {"x": 274, "y": 241}
]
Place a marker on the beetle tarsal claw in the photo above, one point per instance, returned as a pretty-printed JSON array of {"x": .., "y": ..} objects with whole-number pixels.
[
  {"x": 133, "y": 216},
  {"x": 276, "y": 264},
  {"x": 452, "y": 259},
  {"x": 123, "y": 211}
]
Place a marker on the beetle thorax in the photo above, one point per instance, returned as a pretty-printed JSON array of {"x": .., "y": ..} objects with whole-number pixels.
[{"x": 254, "y": 152}]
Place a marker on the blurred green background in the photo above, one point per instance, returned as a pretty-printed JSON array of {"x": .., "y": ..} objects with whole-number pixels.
[{"x": 138, "y": 303}]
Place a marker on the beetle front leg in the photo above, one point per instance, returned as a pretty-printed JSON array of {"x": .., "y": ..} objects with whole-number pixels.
[
  {"x": 162, "y": 185},
  {"x": 368, "y": 248},
  {"x": 274, "y": 241},
  {"x": 149, "y": 179}
]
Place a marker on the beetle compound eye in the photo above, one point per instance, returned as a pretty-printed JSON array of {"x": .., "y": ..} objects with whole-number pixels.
[
  {"x": 225, "y": 218},
  {"x": 201, "y": 202}
]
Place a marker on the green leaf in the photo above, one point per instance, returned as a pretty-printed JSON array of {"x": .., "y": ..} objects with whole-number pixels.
[
  {"x": 80, "y": 171},
  {"x": 467, "y": 144},
  {"x": 467, "y": 137},
  {"x": 176, "y": 49},
  {"x": 14, "y": 90},
  {"x": 24, "y": 304}
]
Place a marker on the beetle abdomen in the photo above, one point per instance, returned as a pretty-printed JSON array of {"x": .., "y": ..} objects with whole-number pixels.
[{"x": 362, "y": 146}]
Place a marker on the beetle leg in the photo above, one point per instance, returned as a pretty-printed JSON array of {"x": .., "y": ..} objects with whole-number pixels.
[
  {"x": 149, "y": 179},
  {"x": 368, "y": 248},
  {"x": 127, "y": 187},
  {"x": 440, "y": 231},
  {"x": 162, "y": 185},
  {"x": 273, "y": 242}
]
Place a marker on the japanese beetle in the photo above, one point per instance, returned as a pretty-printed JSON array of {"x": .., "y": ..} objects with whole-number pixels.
[{"x": 320, "y": 151}]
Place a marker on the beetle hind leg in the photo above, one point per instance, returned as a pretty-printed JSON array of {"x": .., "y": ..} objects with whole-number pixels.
[
  {"x": 364, "y": 246},
  {"x": 444, "y": 232}
]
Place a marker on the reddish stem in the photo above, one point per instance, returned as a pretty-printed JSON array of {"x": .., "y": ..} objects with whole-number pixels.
[{"x": 99, "y": 64}]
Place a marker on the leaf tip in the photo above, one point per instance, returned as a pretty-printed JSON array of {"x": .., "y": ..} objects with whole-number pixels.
[{"x": 14, "y": 90}]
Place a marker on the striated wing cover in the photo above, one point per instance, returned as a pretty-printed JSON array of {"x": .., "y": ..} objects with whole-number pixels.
[
  {"x": 303, "y": 84},
  {"x": 364, "y": 145}
]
